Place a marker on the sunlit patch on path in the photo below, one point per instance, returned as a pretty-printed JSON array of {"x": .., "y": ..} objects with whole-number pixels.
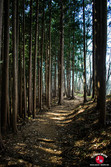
[{"x": 62, "y": 136}]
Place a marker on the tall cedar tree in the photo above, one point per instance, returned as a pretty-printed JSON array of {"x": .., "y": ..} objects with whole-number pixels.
[
  {"x": 17, "y": 46},
  {"x": 84, "y": 74},
  {"x": 73, "y": 58},
  {"x": 35, "y": 60},
  {"x": 1, "y": 14},
  {"x": 15, "y": 102},
  {"x": 93, "y": 42},
  {"x": 30, "y": 64},
  {"x": 94, "y": 59},
  {"x": 101, "y": 28},
  {"x": 55, "y": 85},
  {"x": 46, "y": 70},
  {"x": 69, "y": 71},
  {"x": 5, "y": 78},
  {"x": 20, "y": 75},
  {"x": 61, "y": 54},
  {"x": 24, "y": 76},
  {"x": 42, "y": 49},
  {"x": 38, "y": 65},
  {"x": 49, "y": 58},
  {"x": 19, "y": 63}
]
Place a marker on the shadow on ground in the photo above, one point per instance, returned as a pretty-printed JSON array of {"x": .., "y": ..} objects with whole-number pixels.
[{"x": 66, "y": 135}]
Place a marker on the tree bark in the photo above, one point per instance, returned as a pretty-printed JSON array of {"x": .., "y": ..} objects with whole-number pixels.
[
  {"x": 17, "y": 46},
  {"x": 73, "y": 59},
  {"x": 5, "y": 79},
  {"x": 49, "y": 57},
  {"x": 61, "y": 54},
  {"x": 93, "y": 47},
  {"x": 69, "y": 72},
  {"x": 65, "y": 91},
  {"x": 15, "y": 102},
  {"x": 20, "y": 75},
  {"x": 94, "y": 59},
  {"x": 30, "y": 65},
  {"x": 46, "y": 71},
  {"x": 38, "y": 65},
  {"x": 55, "y": 87},
  {"x": 35, "y": 61},
  {"x": 1, "y": 15},
  {"x": 24, "y": 77},
  {"x": 42, "y": 48},
  {"x": 84, "y": 73},
  {"x": 101, "y": 17}
]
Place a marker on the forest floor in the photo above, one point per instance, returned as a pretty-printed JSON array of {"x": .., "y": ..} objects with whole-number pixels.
[{"x": 64, "y": 136}]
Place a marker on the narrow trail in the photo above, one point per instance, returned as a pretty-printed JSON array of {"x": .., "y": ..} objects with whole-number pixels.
[
  {"x": 67, "y": 135},
  {"x": 42, "y": 141}
]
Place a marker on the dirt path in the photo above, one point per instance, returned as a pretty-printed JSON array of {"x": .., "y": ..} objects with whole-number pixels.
[
  {"x": 42, "y": 141},
  {"x": 65, "y": 136}
]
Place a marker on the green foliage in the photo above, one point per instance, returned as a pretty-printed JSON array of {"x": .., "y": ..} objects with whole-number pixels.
[{"x": 1, "y": 62}]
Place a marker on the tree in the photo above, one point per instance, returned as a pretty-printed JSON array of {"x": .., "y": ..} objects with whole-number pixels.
[
  {"x": 93, "y": 42},
  {"x": 24, "y": 76},
  {"x": 35, "y": 60},
  {"x": 61, "y": 53},
  {"x": 49, "y": 58},
  {"x": 94, "y": 58},
  {"x": 108, "y": 72},
  {"x": 30, "y": 64},
  {"x": 15, "y": 102},
  {"x": 73, "y": 58},
  {"x": 46, "y": 70},
  {"x": 1, "y": 14},
  {"x": 42, "y": 47},
  {"x": 101, "y": 28},
  {"x": 5, "y": 78},
  {"x": 17, "y": 47},
  {"x": 55, "y": 85},
  {"x": 69, "y": 70},
  {"x": 20, "y": 75},
  {"x": 84, "y": 73}
]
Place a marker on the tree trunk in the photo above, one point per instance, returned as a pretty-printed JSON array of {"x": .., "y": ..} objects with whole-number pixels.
[
  {"x": 69, "y": 71},
  {"x": 93, "y": 54},
  {"x": 55, "y": 89},
  {"x": 61, "y": 54},
  {"x": 38, "y": 65},
  {"x": 35, "y": 60},
  {"x": 5, "y": 79},
  {"x": 90, "y": 84},
  {"x": 101, "y": 17},
  {"x": 15, "y": 102},
  {"x": 30, "y": 64},
  {"x": 42, "y": 48},
  {"x": 1, "y": 14},
  {"x": 46, "y": 72},
  {"x": 24, "y": 77},
  {"x": 73, "y": 60},
  {"x": 17, "y": 45},
  {"x": 94, "y": 95},
  {"x": 49, "y": 57},
  {"x": 20, "y": 75},
  {"x": 84, "y": 73},
  {"x": 65, "y": 92}
]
